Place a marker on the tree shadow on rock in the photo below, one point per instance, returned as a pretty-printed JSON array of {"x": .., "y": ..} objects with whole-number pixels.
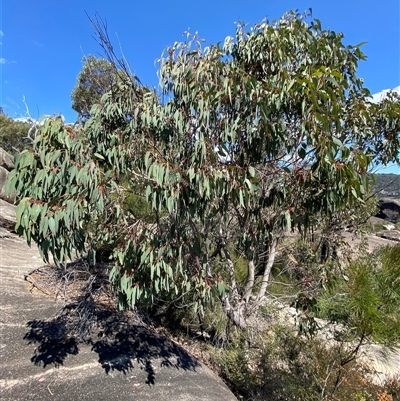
[
  {"x": 53, "y": 343},
  {"x": 120, "y": 341},
  {"x": 116, "y": 337}
]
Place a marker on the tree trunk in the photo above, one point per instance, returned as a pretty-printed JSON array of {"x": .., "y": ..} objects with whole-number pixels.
[
  {"x": 234, "y": 313},
  {"x": 237, "y": 307},
  {"x": 267, "y": 272},
  {"x": 250, "y": 282}
]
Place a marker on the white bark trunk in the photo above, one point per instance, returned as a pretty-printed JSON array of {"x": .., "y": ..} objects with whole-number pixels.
[
  {"x": 237, "y": 307},
  {"x": 267, "y": 271},
  {"x": 250, "y": 282}
]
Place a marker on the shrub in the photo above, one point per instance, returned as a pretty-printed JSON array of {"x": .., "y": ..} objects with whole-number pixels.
[
  {"x": 285, "y": 366},
  {"x": 367, "y": 300}
]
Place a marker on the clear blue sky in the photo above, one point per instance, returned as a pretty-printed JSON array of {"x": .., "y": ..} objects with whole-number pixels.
[{"x": 43, "y": 42}]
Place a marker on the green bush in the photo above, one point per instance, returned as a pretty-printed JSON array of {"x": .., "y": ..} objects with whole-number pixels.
[
  {"x": 367, "y": 300},
  {"x": 13, "y": 135},
  {"x": 284, "y": 366}
]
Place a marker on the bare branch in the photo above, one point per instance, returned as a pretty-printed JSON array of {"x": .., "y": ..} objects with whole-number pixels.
[
  {"x": 35, "y": 125},
  {"x": 120, "y": 64}
]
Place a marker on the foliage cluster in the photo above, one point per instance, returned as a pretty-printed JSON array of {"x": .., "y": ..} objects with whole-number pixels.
[
  {"x": 367, "y": 299},
  {"x": 94, "y": 80},
  {"x": 13, "y": 135},
  {"x": 284, "y": 366}
]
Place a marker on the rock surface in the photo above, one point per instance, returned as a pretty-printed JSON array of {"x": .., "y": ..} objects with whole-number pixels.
[
  {"x": 7, "y": 209},
  {"x": 7, "y": 215},
  {"x": 392, "y": 235},
  {"x": 3, "y": 178},
  {"x": 127, "y": 362},
  {"x": 384, "y": 362},
  {"x": 389, "y": 209},
  {"x": 6, "y": 160}
]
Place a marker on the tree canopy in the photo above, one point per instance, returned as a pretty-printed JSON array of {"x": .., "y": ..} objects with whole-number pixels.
[
  {"x": 13, "y": 134},
  {"x": 95, "y": 79},
  {"x": 258, "y": 135}
]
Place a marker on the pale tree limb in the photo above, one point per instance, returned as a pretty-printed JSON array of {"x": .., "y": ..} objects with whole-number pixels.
[
  {"x": 267, "y": 271},
  {"x": 35, "y": 125},
  {"x": 250, "y": 281}
]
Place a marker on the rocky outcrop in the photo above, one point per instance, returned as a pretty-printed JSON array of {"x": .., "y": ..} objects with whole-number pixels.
[
  {"x": 7, "y": 208},
  {"x": 125, "y": 361},
  {"x": 389, "y": 209},
  {"x": 6, "y": 160},
  {"x": 3, "y": 178},
  {"x": 393, "y": 235},
  {"x": 7, "y": 215}
]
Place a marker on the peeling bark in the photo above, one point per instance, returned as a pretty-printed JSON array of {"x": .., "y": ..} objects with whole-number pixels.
[{"x": 235, "y": 314}]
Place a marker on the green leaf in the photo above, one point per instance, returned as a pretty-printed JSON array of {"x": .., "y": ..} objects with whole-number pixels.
[{"x": 98, "y": 156}]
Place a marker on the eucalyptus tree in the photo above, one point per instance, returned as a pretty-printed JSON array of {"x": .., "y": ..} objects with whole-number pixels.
[
  {"x": 256, "y": 137},
  {"x": 96, "y": 78}
]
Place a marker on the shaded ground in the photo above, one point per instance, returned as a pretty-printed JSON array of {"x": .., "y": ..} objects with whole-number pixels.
[{"x": 122, "y": 360}]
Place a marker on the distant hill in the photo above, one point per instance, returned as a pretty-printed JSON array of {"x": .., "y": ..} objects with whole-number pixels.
[{"x": 388, "y": 185}]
